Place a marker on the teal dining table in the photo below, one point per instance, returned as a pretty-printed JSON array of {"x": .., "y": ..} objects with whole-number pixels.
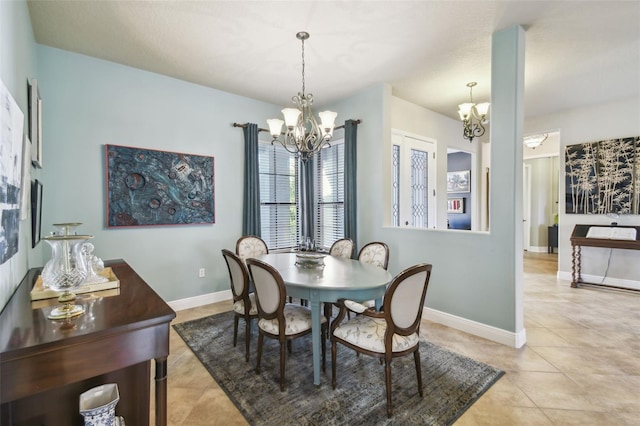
[{"x": 338, "y": 278}]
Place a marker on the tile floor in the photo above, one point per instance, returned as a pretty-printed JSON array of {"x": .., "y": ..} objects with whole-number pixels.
[{"x": 580, "y": 366}]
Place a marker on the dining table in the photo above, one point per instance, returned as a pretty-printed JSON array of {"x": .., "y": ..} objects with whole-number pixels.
[{"x": 334, "y": 278}]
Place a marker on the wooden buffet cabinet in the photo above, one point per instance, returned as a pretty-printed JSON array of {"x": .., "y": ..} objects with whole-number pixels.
[{"x": 45, "y": 365}]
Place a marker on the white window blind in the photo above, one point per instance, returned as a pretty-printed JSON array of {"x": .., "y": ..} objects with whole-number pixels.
[
  {"x": 329, "y": 194},
  {"x": 279, "y": 197}
]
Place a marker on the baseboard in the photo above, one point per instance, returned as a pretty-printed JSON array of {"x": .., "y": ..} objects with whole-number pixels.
[
  {"x": 538, "y": 249},
  {"x": 508, "y": 338},
  {"x": 488, "y": 332},
  {"x": 614, "y": 282},
  {"x": 203, "y": 299}
]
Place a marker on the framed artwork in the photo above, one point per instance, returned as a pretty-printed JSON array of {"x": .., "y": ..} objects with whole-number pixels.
[
  {"x": 603, "y": 177},
  {"x": 455, "y": 205},
  {"x": 35, "y": 122},
  {"x": 36, "y": 212},
  {"x": 147, "y": 187},
  {"x": 459, "y": 181}
]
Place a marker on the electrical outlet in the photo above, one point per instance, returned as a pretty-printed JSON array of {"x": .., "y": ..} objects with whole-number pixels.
[{"x": 201, "y": 273}]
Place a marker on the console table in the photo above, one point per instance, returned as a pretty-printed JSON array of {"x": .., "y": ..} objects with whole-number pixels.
[
  {"x": 579, "y": 239},
  {"x": 45, "y": 365}
]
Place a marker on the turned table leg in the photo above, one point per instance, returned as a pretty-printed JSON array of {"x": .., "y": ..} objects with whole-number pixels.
[{"x": 575, "y": 265}]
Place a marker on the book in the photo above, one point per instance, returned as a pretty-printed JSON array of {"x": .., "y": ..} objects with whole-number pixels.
[{"x": 612, "y": 233}]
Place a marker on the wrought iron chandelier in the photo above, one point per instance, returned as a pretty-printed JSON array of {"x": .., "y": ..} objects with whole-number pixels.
[
  {"x": 473, "y": 116},
  {"x": 303, "y": 136}
]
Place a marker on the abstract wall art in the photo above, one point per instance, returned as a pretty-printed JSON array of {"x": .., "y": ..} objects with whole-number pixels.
[
  {"x": 148, "y": 187},
  {"x": 603, "y": 177}
]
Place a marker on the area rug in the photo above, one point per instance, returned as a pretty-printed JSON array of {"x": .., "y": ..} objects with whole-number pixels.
[{"x": 451, "y": 382}]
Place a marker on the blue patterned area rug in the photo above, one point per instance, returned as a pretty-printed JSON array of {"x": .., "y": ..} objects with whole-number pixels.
[{"x": 451, "y": 382}]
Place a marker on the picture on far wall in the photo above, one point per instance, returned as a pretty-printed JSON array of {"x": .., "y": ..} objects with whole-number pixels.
[
  {"x": 148, "y": 187},
  {"x": 459, "y": 181},
  {"x": 455, "y": 205},
  {"x": 36, "y": 212},
  {"x": 603, "y": 177},
  {"x": 35, "y": 122}
]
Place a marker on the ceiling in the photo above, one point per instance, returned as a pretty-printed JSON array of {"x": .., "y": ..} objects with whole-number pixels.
[{"x": 577, "y": 53}]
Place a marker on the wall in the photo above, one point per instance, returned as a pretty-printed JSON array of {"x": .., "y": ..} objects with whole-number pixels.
[
  {"x": 89, "y": 103},
  {"x": 17, "y": 65},
  {"x": 614, "y": 120},
  {"x": 485, "y": 290}
]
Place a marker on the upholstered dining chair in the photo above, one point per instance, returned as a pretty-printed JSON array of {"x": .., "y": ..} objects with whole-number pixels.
[
  {"x": 375, "y": 253},
  {"x": 343, "y": 247},
  {"x": 389, "y": 334},
  {"x": 244, "y": 301},
  {"x": 276, "y": 318},
  {"x": 250, "y": 246}
]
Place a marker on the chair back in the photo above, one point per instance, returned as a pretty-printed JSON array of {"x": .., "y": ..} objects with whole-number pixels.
[
  {"x": 270, "y": 290},
  {"x": 238, "y": 274},
  {"x": 404, "y": 300},
  {"x": 375, "y": 253},
  {"x": 342, "y": 248},
  {"x": 250, "y": 246}
]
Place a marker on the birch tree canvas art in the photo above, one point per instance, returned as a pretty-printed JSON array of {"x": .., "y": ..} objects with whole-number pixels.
[{"x": 603, "y": 177}]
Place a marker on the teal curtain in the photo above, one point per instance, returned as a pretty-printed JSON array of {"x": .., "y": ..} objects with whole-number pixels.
[
  {"x": 307, "y": 174},
  {"x": 251, "y": 198},
  {"x": 350, "y": 180}
]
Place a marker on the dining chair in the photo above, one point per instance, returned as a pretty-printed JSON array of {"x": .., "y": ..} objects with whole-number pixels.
[
  {"x": 250, "y": 246},
  {"x": 375, "y": 253},
  {"x": 276, "y": 318},
  {"x": 343, "y": 247},
  {"x": 388, "y": 334},
  {"x": 244, "y": 301}
]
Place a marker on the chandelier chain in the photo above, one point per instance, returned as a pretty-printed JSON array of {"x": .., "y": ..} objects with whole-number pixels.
[{"x": 303, "y": 85}]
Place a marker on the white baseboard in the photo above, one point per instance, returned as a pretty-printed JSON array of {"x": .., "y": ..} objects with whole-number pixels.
[
  {"x": 203, "y": 299},
  {"x": 615, "y": 282},
  {"x": 538, "y": 249},
  {"x": 504, "y": 337},
  {"x": 509, "y": 338}
]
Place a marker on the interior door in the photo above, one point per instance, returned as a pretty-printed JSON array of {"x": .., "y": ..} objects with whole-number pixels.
[{"x": 526, "y": 206}]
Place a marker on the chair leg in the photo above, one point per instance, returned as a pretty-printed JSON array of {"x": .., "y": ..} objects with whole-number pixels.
[
  {"x": 387, "y": 375},
  {"x": 283, "y": 354},
  {"x": 235, "y": 330},
  {"x": 323, "y": 340},
  {"x": 416, "y": 357},
  {"x": 333, "y": 364},
  {"x": 247, "y": 338},
  {"x": 259, "y": 354}
]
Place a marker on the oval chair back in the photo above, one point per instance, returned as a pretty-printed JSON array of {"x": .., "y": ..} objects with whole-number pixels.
[
  {"x": 342, "y": 248},
  {"x": 375, "y": 253},
  {"x": 250, "y": 246}
]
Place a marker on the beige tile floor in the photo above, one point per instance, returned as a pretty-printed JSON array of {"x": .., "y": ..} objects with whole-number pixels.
[{"x": 580, "y": 366}]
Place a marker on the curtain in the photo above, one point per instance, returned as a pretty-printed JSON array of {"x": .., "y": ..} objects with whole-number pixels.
[
  {"x": 350, "y": 178},
  {"x": 251, "y": 198},
  {"x": 306, "y": 195}
]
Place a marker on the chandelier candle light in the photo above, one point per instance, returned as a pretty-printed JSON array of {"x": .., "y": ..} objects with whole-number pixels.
[
  {"x": 473, "y": 116},
  {"x": 303, "y": 136}
]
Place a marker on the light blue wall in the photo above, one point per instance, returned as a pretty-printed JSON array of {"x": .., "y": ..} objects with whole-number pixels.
[
  {"x": 475, "y": 274},
  {"x": 17, "y": 65},
  {"x": 89, "y": 103}
]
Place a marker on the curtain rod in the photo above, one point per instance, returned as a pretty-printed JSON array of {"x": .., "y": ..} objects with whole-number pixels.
[{"x": 266, "y": 130}]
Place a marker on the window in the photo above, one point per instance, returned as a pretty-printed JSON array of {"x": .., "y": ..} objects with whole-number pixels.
[
  {"x": 280, "y": 200},
  {"x": 329, "y": 194},
  {"x": 279, "y": 196},
  {"x": 413, "y": 181}
]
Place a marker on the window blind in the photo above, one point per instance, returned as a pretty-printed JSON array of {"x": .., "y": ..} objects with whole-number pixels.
[{"x": 329, "y": 193}]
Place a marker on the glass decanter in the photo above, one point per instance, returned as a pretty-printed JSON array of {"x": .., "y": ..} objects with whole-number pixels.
[{"x": 65, "y": 272}]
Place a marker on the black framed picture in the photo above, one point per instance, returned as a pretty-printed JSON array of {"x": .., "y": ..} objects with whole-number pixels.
[{"x": 36, "y": 212}]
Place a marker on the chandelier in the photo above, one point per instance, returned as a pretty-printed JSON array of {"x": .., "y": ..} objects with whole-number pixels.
[
  {"x": 473, "y": 116},
  {"x": 303, "y": 136},
  {"x": 534, "y": 141}
]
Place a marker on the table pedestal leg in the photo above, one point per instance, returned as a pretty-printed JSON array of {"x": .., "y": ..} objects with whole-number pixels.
[{"x": 315, "y": 337}]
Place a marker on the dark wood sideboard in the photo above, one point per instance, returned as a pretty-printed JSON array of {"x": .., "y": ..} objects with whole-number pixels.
[
  {"x": 45, "y": 365},
  {"x": 579, "y": 239}
]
